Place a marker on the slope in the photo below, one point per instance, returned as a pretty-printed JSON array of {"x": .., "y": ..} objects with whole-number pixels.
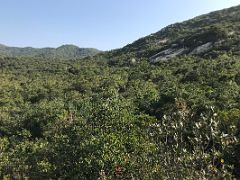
[{"x": 208, "y": 35}]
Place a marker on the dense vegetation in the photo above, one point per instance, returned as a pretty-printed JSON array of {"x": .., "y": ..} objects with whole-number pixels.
[
  {"x": 117, "y": 116},
  {"x": 89, "y": 119}
]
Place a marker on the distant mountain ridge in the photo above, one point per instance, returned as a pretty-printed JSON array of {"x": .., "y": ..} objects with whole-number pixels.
[{"x": 64, "y": 52}]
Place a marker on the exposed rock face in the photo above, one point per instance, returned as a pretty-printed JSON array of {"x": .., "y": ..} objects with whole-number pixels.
[
  {"x": 202, "y": 49},
  {"x": 167, "y": 54},
  {"x": 177, "y": 50}
]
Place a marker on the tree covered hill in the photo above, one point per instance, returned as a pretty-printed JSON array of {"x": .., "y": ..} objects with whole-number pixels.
[
  {"x": 63, "y": 52},
  {"x": 208, "y": 35}
]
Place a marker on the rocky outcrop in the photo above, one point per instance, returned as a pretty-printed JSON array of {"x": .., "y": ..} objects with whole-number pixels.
[
  {"x": 167, "y": 54},
  {"x": 177, "y": 50},
  {"x": 202, "y": 49}
]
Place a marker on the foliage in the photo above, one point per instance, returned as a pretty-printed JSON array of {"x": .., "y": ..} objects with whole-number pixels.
[
  {"x": 175, "y": 119},
  {"x": 112, "y": 117}
]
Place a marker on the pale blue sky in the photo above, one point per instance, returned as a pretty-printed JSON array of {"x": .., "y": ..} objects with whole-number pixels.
[{"x": 103, "y": 24}]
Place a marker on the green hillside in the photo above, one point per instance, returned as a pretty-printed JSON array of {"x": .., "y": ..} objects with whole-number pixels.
[
  {"x": 207, "y": 35},
  {"x": 62, "y": 52},
  {"x": 164, "y": 107}
]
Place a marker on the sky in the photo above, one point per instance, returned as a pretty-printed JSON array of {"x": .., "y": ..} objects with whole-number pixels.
[{"x": 102, "y": 24}]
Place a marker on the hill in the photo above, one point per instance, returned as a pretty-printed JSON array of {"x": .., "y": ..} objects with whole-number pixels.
[
  {"x": 62, "y": 52},
  {"x": 208, "y": 35}
]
